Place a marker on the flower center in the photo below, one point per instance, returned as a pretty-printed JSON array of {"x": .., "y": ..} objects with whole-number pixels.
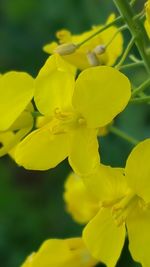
[
  {"x": 121, "y": 208},
  {"x": 66, "y": 121}
]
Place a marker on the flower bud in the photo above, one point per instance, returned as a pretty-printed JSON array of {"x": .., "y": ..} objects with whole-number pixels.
[
  {"x": 100, "y": 49},
  {"x": 92, "y": 59},
  {"x": 65, "y": 49}
]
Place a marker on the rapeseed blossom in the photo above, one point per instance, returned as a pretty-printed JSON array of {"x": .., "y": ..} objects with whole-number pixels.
[
  {"x": 61, "y": 253},
  {"x": 16, "y": 90},
  {"x": 124, "y": 196},
  {"x": 79, "y": 57},
  {"x": 74, "y": 111},
  {"x": 80, "y": 203}
]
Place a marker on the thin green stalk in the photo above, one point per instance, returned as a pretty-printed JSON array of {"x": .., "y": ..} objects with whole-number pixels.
[
  {"x": 141, "y": 88},
  {"x": 137, "y": 30},
  {"x": 140, "y": 100},
  {"x": 133, "y": 2},
  {"x": 134, "y": 58},
  {"x": 125, "y": 54},
  {"x": 131, "y": 65},
  {"x": 116, "y": 33},
  {"x": 123, "y": 135},
  {"x": 119, "y": 19}
]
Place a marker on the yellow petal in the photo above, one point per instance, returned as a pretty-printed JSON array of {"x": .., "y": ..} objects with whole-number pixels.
[
  {"x": 29, "y": 261},
  {"x": 16, "y": 91},
  {"x": 106, "y": 183},
  {"x": 5, "y": 139},
  {"x": 9, "y": 145},
  {"x": 98, "y": 98},
  {"x": 138, "y": 170},
  {"x": 147, "y": 27},
  {"x": 23, "y": 121},
  {"x": 61, "y": 253},
  {"x": 54, "y": 86},
  {"x": 42, "y": 150},
  {"x": 114, "y": 50},
  {"x": 138, "y": 224},
  {"x": 79, "y": 58},
  {"x": 83, "y": 155},
  {"x": 104, "y": 239},
  {"x": 49, "y": 48},
  {"x": 79, "y": 202}
]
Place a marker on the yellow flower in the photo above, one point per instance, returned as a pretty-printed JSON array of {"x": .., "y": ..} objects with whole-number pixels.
[
  {"x": 79, "y": 57},
  {"x": 80, "y": 203},
  {"x": 61, "y": 253},
  {"x": 125, "y": 199},
  {"x": 75, "y": 111},
  {"x": 16, "y": 90}
]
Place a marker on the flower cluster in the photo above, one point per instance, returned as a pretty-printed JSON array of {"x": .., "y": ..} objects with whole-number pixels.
[
  {"x": 93, "y": 51},
  {"x": 60, "y": 115}
]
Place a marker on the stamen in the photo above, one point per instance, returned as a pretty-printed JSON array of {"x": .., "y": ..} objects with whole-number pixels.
[{"x": 121, "y": 209}]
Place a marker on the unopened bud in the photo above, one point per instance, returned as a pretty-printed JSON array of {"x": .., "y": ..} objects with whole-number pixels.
[
  {"x": 66, "y": 49},
  {"x": 92, "y": 59},
  {"x": 100, "y": 49}
]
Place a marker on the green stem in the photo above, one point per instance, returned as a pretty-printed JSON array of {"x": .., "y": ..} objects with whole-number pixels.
[
  {"x": 125, "y": 54},
  {"x": 134, "y": 58},
  {"x": 137, "y": 30},
  {"x": 131, "y": 65},
  {"x": 141, "y": 88},
  {"x": 140, "y": 100},
  {"x": 123, "y": 135},
  {"x": 114, "y": 36},
  {"x": 133, "y": 2},
  {"x": 119, "y": 19}
]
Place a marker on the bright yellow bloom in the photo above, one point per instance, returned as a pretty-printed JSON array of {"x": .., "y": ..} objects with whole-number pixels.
[
  {"x": 125, "y": 199},
  {"x": 80, "y": 203},
  {"x": 75, "y": 110},
  {"x": 61, "y": 253},
  {"x": 79, "y": 57}
]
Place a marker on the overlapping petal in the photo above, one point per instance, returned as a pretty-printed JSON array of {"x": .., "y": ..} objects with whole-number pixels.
[
  {"x": 100, "y": 94},
  {"x": 107, "y": 183},
  {"x": 61, "y": 253},
  {"x": 138, "y": 224},
  {"x": 54, "y": 86},
  {"x": 42, "y": 150},
  {"x": 84, "y": 155},
  {"x": 137, "y": 170},
  {"x": 80, "y": 203},
  {"x": 16, "y": 90},
  {"x": 104, "y": 239}
]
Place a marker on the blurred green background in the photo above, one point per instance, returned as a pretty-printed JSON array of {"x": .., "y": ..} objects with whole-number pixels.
[{"x": 31, "y": 204}]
